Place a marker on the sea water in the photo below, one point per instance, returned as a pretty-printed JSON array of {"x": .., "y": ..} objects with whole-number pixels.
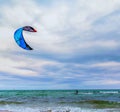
[{"x": 60, "y": 100}]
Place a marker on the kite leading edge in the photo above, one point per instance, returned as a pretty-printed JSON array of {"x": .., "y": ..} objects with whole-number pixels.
[{"x": 18, "y": 36}]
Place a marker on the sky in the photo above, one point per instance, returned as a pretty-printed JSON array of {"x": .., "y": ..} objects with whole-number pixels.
[{"x": 76, "y": 46}]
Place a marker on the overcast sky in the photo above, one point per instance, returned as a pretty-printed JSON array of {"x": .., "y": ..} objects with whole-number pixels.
[{"x": 77, "y": 44}]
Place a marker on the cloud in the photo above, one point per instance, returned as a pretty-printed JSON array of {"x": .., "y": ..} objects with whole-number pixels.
[
  {"x": 103, "y": 82},
  {"x": 107, "y": 64},
  {"x": 61, "y": 26},
  {"x": 62, "y": 29},
  {"x": 76, "y": 40}
]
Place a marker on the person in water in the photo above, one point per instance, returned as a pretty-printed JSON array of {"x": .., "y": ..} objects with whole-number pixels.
[{"x": 76, "y": 92}]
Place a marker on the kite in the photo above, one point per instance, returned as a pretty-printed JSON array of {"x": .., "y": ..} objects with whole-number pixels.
[{"x": 18, "y": 36}]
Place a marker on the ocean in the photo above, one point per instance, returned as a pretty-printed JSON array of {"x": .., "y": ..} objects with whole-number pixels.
[{"x": 60, "y": 100}]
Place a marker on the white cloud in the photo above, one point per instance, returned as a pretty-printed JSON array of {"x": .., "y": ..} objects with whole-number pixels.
[
  {"x": 102, "y": 82},
  {"x": 24, "y": 66},
  {"x": 11, "y": 66},
  {"x": 59, "y": 22},
  {"x": 107, "y": 64},
  {"x": 65, "y": 28}
]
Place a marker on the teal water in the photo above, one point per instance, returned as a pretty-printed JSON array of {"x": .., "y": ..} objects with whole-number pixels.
[{"x": 60, "y": 100}]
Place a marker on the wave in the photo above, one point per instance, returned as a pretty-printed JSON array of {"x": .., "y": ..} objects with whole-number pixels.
[
  {"x": 55, "y": 109},
  {"x": 10, "y": 102},
  {"x": 100, "y": 92},
  {"x": 109, "y": 92},
  {"x": 95, "y": 103},
  {"x": 86, "y": 93}
]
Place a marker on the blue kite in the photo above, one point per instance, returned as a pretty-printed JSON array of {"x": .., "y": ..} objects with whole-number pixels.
[{"x": 18, "y": 36}]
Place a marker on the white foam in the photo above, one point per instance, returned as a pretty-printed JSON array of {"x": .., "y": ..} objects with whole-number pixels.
[
  {"x": 87, "y": 93},
  {"x": 109, "y": 92},
  {"x": 14, "y": 108}
]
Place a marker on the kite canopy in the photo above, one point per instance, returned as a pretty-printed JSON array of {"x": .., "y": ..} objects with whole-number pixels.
[{"x": 18, "y": 36}]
